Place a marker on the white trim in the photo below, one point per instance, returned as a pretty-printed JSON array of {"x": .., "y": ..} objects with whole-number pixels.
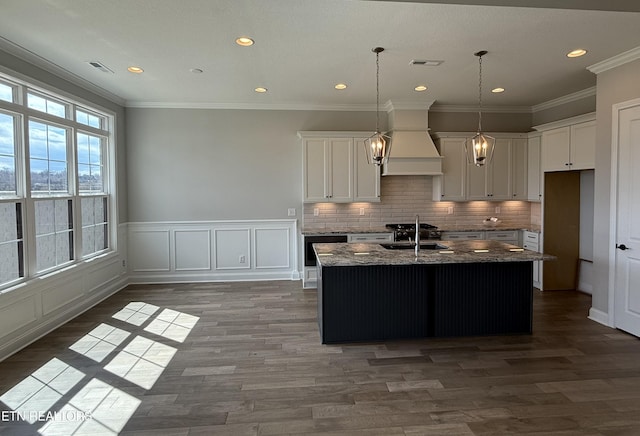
[
  {"x": 613, "y": 202},
  {"x": 600, "y": 317},
  {"x": 591, "y": 116},
  {"x": 569, "y": 98},
  {"x": 251, "y": 106},
  {"x": 407, "y": 105},
  {"x": 485, "y": 109},
  {"x": 615, "y": 61}
]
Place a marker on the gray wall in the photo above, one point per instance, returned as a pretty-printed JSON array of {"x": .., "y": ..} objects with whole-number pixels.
[
  {"x": 213, "y": 164},
  {"x": 468, "y": 122},
  {"x": 20, "y": 66},
  {"x": 614, "y": 86}
]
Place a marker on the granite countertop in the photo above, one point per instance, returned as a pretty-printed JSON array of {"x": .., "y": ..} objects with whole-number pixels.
[{"x": 344, "y": 254}]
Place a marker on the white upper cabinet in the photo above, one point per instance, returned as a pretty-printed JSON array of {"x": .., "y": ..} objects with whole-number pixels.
[
  {"x": 534, "y": 179},
  {"x": 519, "y": 169},
  {"x": 505, "y": 178},
  {"x": 367, "y": 176},
  {"x": 335, "y": 168},
  {"x": 451, "y": 185},
  {"x": 582, "y": 146},
  {"x": 569, "y": 144}
]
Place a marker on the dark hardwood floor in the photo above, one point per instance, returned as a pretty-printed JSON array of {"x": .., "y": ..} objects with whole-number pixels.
[{"x": 246, "y": 359}]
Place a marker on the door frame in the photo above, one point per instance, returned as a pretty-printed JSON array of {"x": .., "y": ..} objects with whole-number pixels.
[{"x": 613, "y": 202}]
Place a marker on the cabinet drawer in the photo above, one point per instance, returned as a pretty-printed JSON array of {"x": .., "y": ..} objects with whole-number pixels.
[
  {"x": 457, "y": 236},
  {"x": 511, "y": 235},
  {"x": 530, "y": 246},
  {"x": 531, "y": 237},
  {"x": 370, "y": 237}
]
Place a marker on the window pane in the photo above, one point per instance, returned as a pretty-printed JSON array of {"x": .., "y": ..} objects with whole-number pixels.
[
  {"x": 88, "y": 119},
  {"x": 7, "y": 135},
  {"x": 94, "y": 225},
  {"x": 54, "y": 232},
  {"x": 95, "y": 152},
  {"x": 47, "y": 105},
  {"x": 83, "y": 148},
  {"x": 6, "y": 92},
  {"x": 7, "y": 155},
  {"x": 48, "y": 152},
  {"x": 11, "y": 242}
]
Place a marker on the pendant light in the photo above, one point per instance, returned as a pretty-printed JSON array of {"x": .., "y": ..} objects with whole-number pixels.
[
  {"x": 479, "y": 149},
  {"x": 378, "y": 145}
]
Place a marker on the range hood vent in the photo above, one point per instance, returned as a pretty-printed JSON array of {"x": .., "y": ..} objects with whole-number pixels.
[{"x": 412, "y": 149}]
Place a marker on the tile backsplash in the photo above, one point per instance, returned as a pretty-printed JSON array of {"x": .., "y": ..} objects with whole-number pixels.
[{"x": 404, "y": 197}]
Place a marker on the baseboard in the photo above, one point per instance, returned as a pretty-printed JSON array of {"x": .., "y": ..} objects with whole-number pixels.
[
  {"x": 599, "y": 317},
  {"x": 245, "y": 276}
]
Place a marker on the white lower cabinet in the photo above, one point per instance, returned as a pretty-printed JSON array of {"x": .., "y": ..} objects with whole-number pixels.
[
  {"x": 461, "y": 236},
  {"x": 531, "y": 241},
  {"x": 508, "y": 237}
]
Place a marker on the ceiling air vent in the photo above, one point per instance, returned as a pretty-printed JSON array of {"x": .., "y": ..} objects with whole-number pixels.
[
  {"x": 100, "y": 66},
  {"x": 426, "y": 63}
]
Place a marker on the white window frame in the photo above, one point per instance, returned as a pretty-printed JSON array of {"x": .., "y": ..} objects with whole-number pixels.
[{"x": 23, "y": 85}]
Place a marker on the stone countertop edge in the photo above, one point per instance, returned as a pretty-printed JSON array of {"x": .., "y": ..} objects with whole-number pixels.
[{"x": 368, "y": 254}]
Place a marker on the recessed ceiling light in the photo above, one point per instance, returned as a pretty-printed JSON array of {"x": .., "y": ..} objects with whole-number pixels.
[
  {"x": 340, "y": 86},
  {"x": 135, "y": 70},
  {"x": 260, "y": 89},
  {"x": 497, "y": 90},
  {"x": 420, "y": 88},
  {"x": 245, "y": 41},
  {"x": 577, "y": 53},
  {"x": 196, "y": 70}
]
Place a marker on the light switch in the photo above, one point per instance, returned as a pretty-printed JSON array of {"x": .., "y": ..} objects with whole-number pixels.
[{"x": 291, "y": 212}]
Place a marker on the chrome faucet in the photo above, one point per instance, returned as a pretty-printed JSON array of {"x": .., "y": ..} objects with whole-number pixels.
[{"x": 417, "y": 234}]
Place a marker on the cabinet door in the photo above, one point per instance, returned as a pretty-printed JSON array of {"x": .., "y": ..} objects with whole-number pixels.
[
  {"x": 315, "y": 181},
  {"x": 555, "y": 149},
  {"x": 519, "y": 169},
  {"x": 367, "y": 176},
  {"x": 533, "y": 172},
  {"x": 454, "y": 163},
  {"x": 340, "y": 169},
  {"x": 583, "y": 146},
  {"x": 499, "y": 172}
]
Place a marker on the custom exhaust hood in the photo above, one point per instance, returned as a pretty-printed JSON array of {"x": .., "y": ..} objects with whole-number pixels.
[{"x": 412, "y": 149}]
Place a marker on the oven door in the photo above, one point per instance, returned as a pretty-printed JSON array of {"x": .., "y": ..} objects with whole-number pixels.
[{"x": 309, "y": 255}]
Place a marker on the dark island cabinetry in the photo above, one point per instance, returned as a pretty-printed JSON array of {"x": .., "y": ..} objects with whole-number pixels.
[{"x": 381, "y": 302}]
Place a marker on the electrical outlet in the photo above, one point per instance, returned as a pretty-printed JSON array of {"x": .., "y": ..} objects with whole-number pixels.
[
  {"x": 124, "y": 263},
  {"x": 242, "y": 259},
  {"x": 316, "y": 211},
  {"x": 450, "y": 210},
  {"x": 291, "y": 212},
  {"x": 497, "y": 209},
  {"x": 361, "y": 211}
]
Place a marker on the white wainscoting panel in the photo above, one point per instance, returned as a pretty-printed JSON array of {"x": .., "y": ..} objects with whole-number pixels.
[
  {"x": 213, "y": 251},
  {"x": 272, "y": 248},
  {"x": 232, "y": 248},
  {"x": 149, "y": 250},
  {"x": 193, "y": 249},
  {"x": 17, "y": 315},
  {"x": 59, "y": 296}
]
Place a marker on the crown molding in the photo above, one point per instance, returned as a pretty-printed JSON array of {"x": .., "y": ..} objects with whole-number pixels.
[
  {"x": 52, "y": 68},
  {"x": 485, "y": 109},
  {"x": 615, "y": 61},
  {"x": 408, "y": 105},
  {"x": 251, "y": 106},
  {"x": 585, "y": 93},
  {"x": 591, "y": 116}
]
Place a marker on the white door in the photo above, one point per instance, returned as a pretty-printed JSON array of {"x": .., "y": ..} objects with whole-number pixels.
[{"x": 627, "y": 258}]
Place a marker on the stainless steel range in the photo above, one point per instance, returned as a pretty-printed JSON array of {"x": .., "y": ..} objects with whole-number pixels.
[{"x": 407, "y": 232}]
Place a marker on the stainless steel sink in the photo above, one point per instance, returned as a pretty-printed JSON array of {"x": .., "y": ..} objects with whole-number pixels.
[{"x": 409, "y": 246}]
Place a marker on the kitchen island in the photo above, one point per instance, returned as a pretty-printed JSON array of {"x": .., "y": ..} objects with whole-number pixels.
[{"x": 465, "y": 288}]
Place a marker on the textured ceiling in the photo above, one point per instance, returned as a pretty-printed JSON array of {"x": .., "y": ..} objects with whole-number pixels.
[{"x": 304, "y": 47}]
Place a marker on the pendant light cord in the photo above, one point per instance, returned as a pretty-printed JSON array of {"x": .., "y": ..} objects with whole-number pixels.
[
  {"x": 480, "y": 93},
  {"x": 377, "y": 91}
]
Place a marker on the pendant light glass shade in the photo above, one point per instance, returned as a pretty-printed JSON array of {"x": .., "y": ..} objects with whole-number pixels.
[
  {"x": 378, "y": 145},
  {"x": 479, "y": 148}
]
